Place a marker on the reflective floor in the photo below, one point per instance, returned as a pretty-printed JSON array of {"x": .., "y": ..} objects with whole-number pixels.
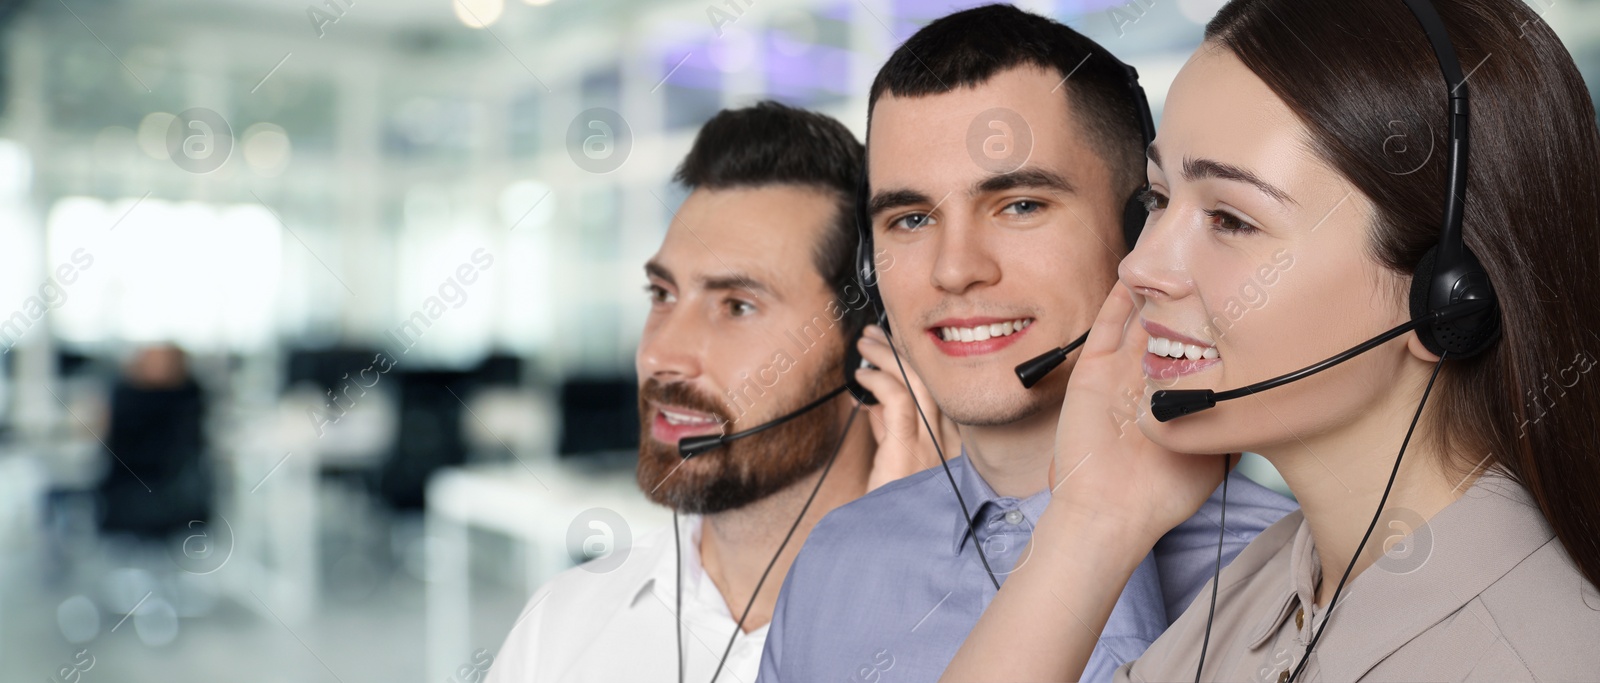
[{"x": 76, "y": 607}]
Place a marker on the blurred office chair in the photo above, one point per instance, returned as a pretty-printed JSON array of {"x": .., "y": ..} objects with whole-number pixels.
[
  {"x": 432, "y": 412},
  {"x": 600, "y": 421}
]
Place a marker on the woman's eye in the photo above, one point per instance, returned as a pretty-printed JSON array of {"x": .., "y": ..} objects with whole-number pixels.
[
  {"x": 1152, "y": 200},
  {"x": 1023, "y": 207},
  {"x": 740, "y": 308},
  {"x": 911, "y": 222},
  {"x": 1223, "y": 221}
]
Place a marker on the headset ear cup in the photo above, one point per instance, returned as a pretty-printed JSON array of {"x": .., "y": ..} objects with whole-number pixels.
[
  {"x": 1463, "y": 280},
  {"x": 1421, "y": 281},
  {"x": 1133, "y": 218},
  {"x": 867, "y": 277}
]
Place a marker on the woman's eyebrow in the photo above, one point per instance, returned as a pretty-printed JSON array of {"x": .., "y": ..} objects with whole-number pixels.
[{"x": 1195, "y": 169}]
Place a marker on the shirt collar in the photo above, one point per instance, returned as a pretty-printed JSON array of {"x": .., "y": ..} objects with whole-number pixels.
[
  {"x": 1465, "y": 548},
  {"x": 1300, "y": 588},
  {"x": 662, "y": 569},
  {"x": 979, "y": 496}
]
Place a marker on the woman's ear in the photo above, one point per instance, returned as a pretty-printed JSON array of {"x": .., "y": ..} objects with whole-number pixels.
[{"x": 1415, "y": 346}]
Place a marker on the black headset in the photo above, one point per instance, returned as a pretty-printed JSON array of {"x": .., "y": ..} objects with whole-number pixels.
[{"x": 1449, "y": 273}]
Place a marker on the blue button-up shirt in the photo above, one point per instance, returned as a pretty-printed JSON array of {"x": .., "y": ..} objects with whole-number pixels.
[{"x": 888, "y": 586}]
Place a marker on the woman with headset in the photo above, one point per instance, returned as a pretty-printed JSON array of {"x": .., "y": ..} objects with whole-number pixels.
[{"x": 1323, "y": 176}]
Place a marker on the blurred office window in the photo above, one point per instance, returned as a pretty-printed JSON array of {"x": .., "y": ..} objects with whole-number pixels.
[
  {"x": 526, "y": 128},
  {"x": 303, "y": 106},
  {"x": 601, "y": 86},
  {"x": 145, "y": 269},
  {"x": 804, "y": 54},
  {"x": 691, "y": 82},
  {"x": 431, "y": 128}
]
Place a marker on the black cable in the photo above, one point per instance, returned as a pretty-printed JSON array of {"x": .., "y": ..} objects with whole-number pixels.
[
  {"x": 1216, "y": 574},
  {"x": 1379, "y": 513},
  {"x": 677, "y": 613},
  {"x": 740, "y": 626},
  {"x": 965, "y": 514}
]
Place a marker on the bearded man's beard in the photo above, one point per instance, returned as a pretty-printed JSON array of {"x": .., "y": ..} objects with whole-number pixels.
[{"x": 743, "y": 471}]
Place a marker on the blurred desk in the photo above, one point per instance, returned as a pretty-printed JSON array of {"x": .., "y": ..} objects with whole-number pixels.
[{"x": 535, "y": 505}]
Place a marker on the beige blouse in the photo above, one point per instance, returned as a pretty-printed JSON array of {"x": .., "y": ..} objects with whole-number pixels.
[{"x": 1481, "y": 592}]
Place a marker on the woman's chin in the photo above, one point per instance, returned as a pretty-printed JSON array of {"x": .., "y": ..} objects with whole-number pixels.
[{"x": 1189, "y": 434}]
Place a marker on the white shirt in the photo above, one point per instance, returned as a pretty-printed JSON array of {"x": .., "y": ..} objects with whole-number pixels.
[{"x": 618, "y": 626}]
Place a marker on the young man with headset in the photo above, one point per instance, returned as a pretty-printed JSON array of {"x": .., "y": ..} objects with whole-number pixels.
[
  {"x": 1004, "y": 151},
  {"x": 746, "y": 430}
]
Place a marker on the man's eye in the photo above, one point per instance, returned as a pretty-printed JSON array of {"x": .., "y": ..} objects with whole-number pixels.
[
  {"x": 739, "y": 308},
  {"x": 1023, "y": 207},
  {"x": 658, "y": 294},
  {"x": 1152, "y": 200},
  {"x": 911, "y": 222}
]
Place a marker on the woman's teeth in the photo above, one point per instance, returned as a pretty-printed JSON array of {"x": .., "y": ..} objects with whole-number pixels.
[
  {"x": 984, "y": 332},
  {"x": 1177, "y": 349}
]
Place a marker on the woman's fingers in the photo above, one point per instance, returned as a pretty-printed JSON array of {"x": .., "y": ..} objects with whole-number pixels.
[{"x": 1110, "y": 325}]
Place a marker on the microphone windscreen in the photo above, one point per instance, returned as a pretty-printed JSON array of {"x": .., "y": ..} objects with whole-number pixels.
[
  {"x": 695, "y": 445},
  {"x": 1168, "y": 404},
  {"x": 1030, "y": 372}
]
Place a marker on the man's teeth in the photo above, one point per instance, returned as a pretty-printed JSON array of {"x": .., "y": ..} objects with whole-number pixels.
[
  {"x": 685, "y": 419},
  {"x": 984, "y": 332},
  {"x": 1177, "y": 349}
]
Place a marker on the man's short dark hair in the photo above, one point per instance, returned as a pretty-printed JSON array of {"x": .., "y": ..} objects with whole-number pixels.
[
  {"x": 968, "y": 48},
  {"x": 774, "y": 144}
]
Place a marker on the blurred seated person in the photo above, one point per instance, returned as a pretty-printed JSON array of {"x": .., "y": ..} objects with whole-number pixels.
[{"x": 157, "y": 481}]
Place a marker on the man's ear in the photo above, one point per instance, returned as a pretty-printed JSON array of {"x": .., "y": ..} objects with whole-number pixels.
[{"x": 1415, "y": 346}]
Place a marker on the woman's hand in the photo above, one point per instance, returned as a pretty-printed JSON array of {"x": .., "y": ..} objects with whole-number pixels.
[
  {"x": 1116, "y": 493},
  {"x": 1105, "y": 468},
  {"x": 904, "y": 446}
]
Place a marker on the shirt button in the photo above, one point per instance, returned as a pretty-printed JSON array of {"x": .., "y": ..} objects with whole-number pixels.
[
  {"x": 1013, "y": 517},
  {"x": 1283, "y": 676},
  {"x": 1300, "y": 618}
]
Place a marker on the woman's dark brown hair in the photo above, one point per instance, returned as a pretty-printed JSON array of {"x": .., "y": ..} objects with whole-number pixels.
[{"x": 1361, "y": 77}]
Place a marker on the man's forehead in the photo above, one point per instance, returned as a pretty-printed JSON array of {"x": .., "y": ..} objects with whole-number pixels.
[
  {"x": 766, "y": 237},
  {"x": 1018, "y": 116}
]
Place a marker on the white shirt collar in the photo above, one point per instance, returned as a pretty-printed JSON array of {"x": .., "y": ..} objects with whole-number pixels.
[
  {"x": 661, "y": 566},
  {"x": 699, "y": 592}
]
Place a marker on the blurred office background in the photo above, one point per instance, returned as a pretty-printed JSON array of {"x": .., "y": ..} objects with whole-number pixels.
[{"x": 318, "y": 318}]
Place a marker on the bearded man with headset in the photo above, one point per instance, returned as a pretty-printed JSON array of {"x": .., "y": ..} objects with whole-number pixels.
[{"x": 752, "y": 309}]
